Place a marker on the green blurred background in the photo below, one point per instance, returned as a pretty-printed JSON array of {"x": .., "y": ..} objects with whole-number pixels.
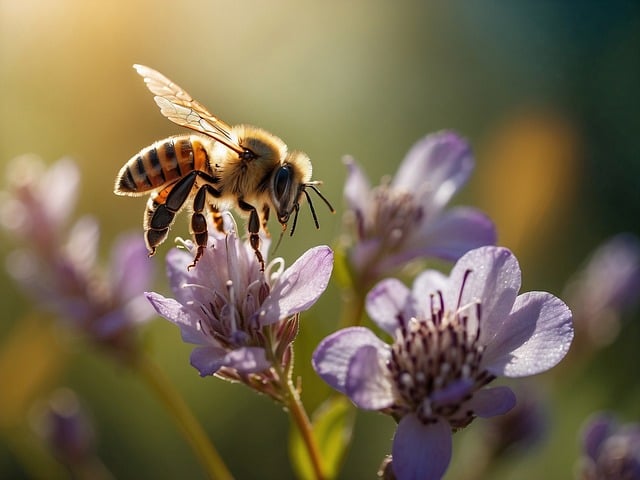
[{"x": 546, "y": 92}]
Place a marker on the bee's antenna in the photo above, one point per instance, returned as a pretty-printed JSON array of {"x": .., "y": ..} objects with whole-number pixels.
[
  {"x": 313, "y": 210},
  {"x": 312, "y": 185}
]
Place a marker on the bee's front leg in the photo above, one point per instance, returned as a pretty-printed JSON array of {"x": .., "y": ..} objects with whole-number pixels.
[{"x": 254, "y": 229}]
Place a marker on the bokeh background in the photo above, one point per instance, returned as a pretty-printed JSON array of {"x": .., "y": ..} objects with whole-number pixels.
[{"x": 546, "y": 92}]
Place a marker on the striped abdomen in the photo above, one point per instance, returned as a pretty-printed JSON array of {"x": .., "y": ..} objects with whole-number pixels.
[{"x": 161, "y": 164}]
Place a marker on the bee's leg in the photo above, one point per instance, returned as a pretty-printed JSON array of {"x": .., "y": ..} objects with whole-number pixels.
[
  {"x": 156, "y": 225},
  {"x": 265, "y": 219},
  {"x": 199, "y": 222},
  {"x": 162, "y": 208},
  {"x": 254, "y": 228}
]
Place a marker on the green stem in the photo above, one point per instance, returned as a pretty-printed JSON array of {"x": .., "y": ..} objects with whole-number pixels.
[
  {"x": 294, "y": 406},
  {"x": 353, "y": 309},
  {"x": 185, "y": 420}
]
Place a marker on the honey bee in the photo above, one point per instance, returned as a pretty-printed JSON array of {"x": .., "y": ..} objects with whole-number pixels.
[{"x": 222, "y": 166}]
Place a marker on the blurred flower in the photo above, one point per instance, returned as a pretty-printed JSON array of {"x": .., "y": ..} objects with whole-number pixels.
[
  {"x": 64, "y": 425},
  {"x": 451, "y": 337},
  {"x": 57, "y": 265},
  {"x": 403, "y": 219},
  {"x": 608, "y": 285},
  {"x": 68, "y": 431},
  {"x": 520, "y": 429},
  {"x": 243, "y": 319},
  {"x": 611, "y": 451}
]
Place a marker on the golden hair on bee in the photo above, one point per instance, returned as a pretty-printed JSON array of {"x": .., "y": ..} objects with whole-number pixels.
[{"x": 219, "y": 167}]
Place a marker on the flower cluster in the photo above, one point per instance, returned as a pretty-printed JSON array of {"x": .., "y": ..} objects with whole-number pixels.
[
  {"x": 57, "y": 265},
  {"x": 611, "y": 451},
  {"x": 607, "y": 287}
]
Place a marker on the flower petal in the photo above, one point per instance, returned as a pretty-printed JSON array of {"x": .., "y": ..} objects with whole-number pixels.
[
  {"x": 333, "y": 355},
  {"x": 208, "y": 360},
  {"x": 442, "y": 161},
  {"x": 356, "y": 187},
  {"x": 173, "y": 311},
  {"x": 389, "y": 305},
  {"x": 534, "y": 338},
  {"x": 421, "y": 452},
  {"x": 299, "y": 286},
  {"x": 489, "y": 276},
  {"x": 131, "y": 270},
  {"x": 426, "y": 284},
  {"x": 367, "y": 382},
  {"x": 489, "y": 402},
  {"x": 453, "y": 234},
  {"x": 598, "y": 428}
]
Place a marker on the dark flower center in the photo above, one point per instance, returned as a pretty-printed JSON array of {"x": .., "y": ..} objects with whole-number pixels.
[{"x": 435, "y": 362}]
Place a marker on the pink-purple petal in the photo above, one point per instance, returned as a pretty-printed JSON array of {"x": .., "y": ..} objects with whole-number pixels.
[
  {"x": 356, "y": 187},
  {"x": 300, "y": 285},
  {"x": 598, "y": 429},
  {"x": 131, "y": 269},
  {"x": 534, "y": 338},
  {"x": 333, "y": 355},
  {"x": 368, "y": 384},
  {"x": 435, "y": 168},
  {"x": 425, "y": 285},
  {"x": 421, "y": 452},
  {"x": 489, "y": 276},
  {"x": 489, "y": 402},
  {"x": 209, "y": 359},
  {"x": 389, "y": 303},
  {"x": 454, "y": 233},
  {"x": 173, "y": 311}
]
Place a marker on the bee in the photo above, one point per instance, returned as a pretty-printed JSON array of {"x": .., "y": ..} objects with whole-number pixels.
[{"x": 242, "y": 167}]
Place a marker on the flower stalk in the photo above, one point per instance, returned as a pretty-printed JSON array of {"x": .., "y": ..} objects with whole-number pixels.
[{"x": 186, "y": 422}]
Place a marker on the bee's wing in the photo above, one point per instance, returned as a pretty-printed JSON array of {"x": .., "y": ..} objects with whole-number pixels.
[{"x": 178, "y": 106}]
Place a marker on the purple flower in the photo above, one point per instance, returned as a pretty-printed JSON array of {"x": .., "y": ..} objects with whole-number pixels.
[
  {"x": 403, "y": 219},
  {"x": 612, "y": 451},
  {"x": 451, "y": 337},
  {"x": 57, "y": 265},
  {"x": 242, "y": 319},
  {"x": 608, "y": 285}
]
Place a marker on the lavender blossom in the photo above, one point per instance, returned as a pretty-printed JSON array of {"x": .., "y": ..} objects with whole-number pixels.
[
  {"x": 607, "y": 286},
  {"x": 403, "y": 219},
  {"x": 612, "y": 451},
  {"x": 241, "y": 318},
  {"x": 451, "y": 337},
  {"x": 56, "y": 265}
]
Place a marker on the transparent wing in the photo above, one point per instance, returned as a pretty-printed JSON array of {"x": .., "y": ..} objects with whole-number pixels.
[{"x": 179, "y": 107}]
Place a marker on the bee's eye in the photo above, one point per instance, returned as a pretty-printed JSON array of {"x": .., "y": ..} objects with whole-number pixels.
[{"x": 282, "y": 180}]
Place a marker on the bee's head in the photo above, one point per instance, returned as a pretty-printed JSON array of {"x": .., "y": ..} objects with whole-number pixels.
[{"x": 289, "y": 182}]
